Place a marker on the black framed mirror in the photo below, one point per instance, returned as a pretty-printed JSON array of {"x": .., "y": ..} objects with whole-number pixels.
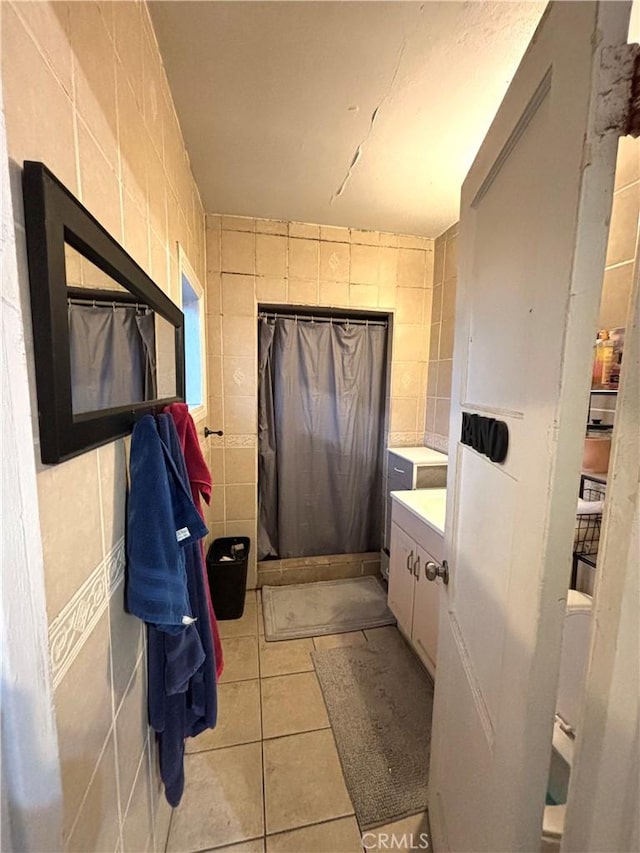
[{"x": 108, "y": 342}]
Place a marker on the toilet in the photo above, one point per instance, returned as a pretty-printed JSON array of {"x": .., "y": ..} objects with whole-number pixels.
[{"x": 573, "y": 666}]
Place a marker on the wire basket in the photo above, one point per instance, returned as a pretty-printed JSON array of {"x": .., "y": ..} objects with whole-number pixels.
[{"x": 587, "y": 536}]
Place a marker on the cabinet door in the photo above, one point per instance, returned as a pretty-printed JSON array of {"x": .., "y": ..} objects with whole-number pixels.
[
  {"x": 424, "y": 634},
  {"x": 401, "y": 580}
]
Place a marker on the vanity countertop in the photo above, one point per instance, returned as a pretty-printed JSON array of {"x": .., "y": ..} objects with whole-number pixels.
[
  {"x": 420, "y": 455},
  {"x": 428, "y": 505}
]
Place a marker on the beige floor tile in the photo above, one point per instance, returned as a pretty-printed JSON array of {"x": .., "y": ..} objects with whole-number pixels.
[
  {"x": 238, "y": 718},
  {"x": 222, "y": 802},
  {"x": 334, "y": 836},
  {"x": 255, "y": 846},
  {"x": 333, "y": 641},
  {"x": 303, "y": 781},
  {"x": 291, "y": 704},
  {"x": 240, "y": 659},
  {"x": 410, "y": 833},
  {"x": 281, "y": 658},
  {"x": 246, "y": 626},
  {"x": 381, "y": 635}
]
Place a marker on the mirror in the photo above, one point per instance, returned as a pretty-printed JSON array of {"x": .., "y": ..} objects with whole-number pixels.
[
  {"x": 121, "y": 351},
  {"x": 108, "y": 343}
]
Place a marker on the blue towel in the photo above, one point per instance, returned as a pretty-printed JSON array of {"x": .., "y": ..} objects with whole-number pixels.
[
  {"x": 162, "y": 522},
  {"x": 182, "y": 685}
]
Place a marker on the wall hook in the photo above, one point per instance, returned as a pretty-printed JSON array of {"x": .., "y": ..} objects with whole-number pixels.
[{"x": 208, "y": 432}]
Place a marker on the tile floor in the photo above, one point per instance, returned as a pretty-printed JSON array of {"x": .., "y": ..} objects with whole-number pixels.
[{"x": 268, "y": 778}]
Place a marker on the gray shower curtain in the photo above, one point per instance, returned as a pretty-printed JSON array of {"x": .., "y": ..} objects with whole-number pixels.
[
  {"x": 320, "y": 433},
  {"x": 113, "y": 356}
]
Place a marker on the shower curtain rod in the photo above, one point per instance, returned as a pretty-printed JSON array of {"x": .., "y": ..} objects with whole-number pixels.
[
  {"x": 103, "y": 303},
  {"x": 309, "y": 318}
]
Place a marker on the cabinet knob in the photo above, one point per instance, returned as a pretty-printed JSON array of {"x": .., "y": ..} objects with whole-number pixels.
[{"x": 433, "y": 570}]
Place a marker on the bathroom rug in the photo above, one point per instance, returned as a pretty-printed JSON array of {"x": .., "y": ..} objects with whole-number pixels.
[
  {"x": 326, "y": 607},
  {"x": 380, "y": 700}
]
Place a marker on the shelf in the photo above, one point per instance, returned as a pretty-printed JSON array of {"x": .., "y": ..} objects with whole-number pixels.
[
  {"x": 583, "y": 558},
  {"x": 606, "y": 392}
]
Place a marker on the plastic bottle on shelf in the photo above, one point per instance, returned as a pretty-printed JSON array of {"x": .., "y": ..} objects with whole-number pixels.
[
  {"x": 603, "y": 360},
  {"x": 617, "y": 339}
]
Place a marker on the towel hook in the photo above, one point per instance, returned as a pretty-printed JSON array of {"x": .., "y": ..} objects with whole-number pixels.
[{"x": 208, "y": 432}]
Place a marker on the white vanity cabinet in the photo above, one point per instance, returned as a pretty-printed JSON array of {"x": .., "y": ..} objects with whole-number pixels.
[
  {"x": 401, "y": 578},
  {"x": 411, "y": 468},
  {"x": 417, "y": 537}
]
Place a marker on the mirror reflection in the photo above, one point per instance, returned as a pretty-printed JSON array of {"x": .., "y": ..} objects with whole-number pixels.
[{"x": 121, "y": 351}]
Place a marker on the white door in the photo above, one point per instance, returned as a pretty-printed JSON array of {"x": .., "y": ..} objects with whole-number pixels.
[
  {"x": 401, "y": 580},
  {"x": 533, "y": 233},
  {"x": 425, "y": 614}
]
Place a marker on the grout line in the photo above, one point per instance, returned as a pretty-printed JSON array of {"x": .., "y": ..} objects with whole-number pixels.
[
  {"x": 319, "y": 823},
  {"x": 284, "y": 674},
  {"x": 626, "y": 186},
  {"x": 619, "y": 264},
  {"x": 169, "y": 828},
  {"x": 223, "y": 746},
  {"x": 129, "y": 683},
  {"x": 301, "y": 732},
  {"x": 91, "y": 778},
  {"x": 262, "y": 739},
  {"x": 113, "y": 724},
  {"x": 141, "y": 761},
  {"x": 225, "y": 845},
  {"x": 287, "y": 674},
  {"x": 154, "y": 803},
  {"x": 295, "y": 734}
]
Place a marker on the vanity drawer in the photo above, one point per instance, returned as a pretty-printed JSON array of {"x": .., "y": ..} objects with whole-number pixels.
[{"x": 399, "y": 474}]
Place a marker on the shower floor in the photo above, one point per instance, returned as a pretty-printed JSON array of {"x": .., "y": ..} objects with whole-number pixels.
[{"x": 311, "y": 569}]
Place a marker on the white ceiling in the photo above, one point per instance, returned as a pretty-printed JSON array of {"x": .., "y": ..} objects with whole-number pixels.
[{"x": 366, "y": 114}]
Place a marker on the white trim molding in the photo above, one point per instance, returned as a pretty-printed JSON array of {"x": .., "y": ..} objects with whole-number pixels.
[{"x": 198, "y": 413}]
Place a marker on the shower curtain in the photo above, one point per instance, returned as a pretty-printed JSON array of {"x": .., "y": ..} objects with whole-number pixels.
[
  {"x": 320, "y": 433},
  {"x": 113, "y": 356}
]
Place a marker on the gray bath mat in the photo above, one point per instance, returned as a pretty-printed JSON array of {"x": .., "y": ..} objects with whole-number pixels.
[
  {"x": 326, "y": 607},
  {"x": 380, "y": 702}
]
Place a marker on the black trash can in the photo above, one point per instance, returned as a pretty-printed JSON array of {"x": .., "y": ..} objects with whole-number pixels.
[{"x": 227, "y": 562}]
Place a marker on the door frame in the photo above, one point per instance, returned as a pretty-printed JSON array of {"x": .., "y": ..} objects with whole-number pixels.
[
  {"x": 31, "y": 786},
  {"x": 588, "y": 256},
  {"x": 602, "y": 805}
]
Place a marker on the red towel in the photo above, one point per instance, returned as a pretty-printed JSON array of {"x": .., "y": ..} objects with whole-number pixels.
[{"x": 200, "y": 482}]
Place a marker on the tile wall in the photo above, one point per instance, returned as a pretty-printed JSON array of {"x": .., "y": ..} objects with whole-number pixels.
[
  {"x": 445, "y": 272},
  {"x": 251, "y": 261},
  {"x": 311, "y": 569},
  {"x": 623, "y": 234},
  {"x": 84, "y": 91}
]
